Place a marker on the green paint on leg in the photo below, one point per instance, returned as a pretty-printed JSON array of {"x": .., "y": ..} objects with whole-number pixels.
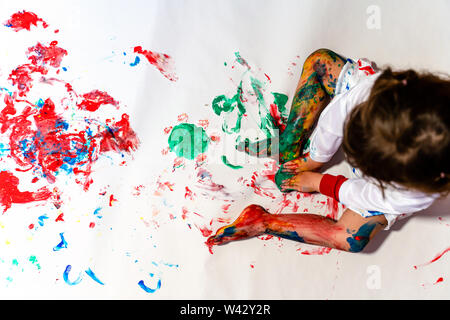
[
  {"x": 227, "y": 163},
  {"x": 188, "y": 141}
]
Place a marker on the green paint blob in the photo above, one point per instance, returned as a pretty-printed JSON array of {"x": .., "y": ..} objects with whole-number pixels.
[
  {"x": 232, "y": 166},
  {"x": 188, "y": 141}
]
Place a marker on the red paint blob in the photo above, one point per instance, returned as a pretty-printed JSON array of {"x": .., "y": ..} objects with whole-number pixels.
[
  {"x": 24, "y": 20},
  {"x": 94, "y": 99},
  {"x": 9, "y": 192}
]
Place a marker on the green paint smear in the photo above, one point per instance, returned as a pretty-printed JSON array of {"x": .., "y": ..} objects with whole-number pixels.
[
  {"x": 232, "y": 166},
  {"x": 188, "y": 141},
  {"x": 280, "y": 100},
  {"x": 222, "y": 104}
]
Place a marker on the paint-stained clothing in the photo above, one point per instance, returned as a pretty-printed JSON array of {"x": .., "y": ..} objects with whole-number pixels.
[{"x": 358, "y": 193}]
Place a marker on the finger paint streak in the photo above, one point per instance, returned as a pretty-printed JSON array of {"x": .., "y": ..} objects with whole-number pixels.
[
  {"x": 66, "y": 277},
  {"x": 148, "y": 289},
  {"x": 91, "y": 274}
]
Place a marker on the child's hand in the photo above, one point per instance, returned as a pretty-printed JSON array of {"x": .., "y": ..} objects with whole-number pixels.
[
  {"x": 301, "y": 164},
  {"x": 304, "y": 182}
]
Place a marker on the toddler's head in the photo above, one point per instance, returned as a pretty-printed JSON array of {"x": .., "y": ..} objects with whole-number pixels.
[{"x": 401, "y": 134}]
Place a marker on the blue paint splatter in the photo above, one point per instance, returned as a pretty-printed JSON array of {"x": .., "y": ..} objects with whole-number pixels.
[
  {"x": 136, "y": 61},
  {"x": 62, "y": 244},
  {"x": 147, "y": 289},
  {"x": 66, "y": 277},
  {"x": 41, "y": 220},
  {"x": 91, "y": 274},
  {"x": 96, "y": 211},
  {"x": 64, "y": 68}
]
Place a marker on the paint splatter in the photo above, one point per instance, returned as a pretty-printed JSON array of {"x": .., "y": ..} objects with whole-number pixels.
[
  {"x": 91, "y": 274},
  {"x": 62, "y": 244},
  {"x": 148, "y": 289},
  {"x": 66, "y": 277},
  {"x": 161, "y": 61},
  {"x": 23, "y": 20},
  {"x": 436, "y": 258},
  {"x": 94, "y": 99},
  {"x": 9, "y": 192}
]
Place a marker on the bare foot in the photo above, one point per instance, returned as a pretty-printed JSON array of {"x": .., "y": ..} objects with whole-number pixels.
[{"x": 250, "y": 223}]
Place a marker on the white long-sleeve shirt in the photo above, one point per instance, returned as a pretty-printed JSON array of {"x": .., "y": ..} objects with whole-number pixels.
[{"x": 358, "y": 193}]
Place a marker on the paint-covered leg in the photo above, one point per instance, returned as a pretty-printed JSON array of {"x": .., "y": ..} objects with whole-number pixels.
[
  {"x": 316, "y": 86},
  {"x": 250, "y": 223},
  {"x": 351, "y": 232}
]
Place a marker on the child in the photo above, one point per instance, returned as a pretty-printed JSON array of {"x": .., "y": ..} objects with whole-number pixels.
[{"x": 394, "y": 130}]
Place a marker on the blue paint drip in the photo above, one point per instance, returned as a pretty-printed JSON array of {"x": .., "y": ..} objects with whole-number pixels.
[
  {"x": 66, "y": 277},
  {"x": 91, "y": 274},
  {"x": 136, "y": 61},
  {"x": 62, "y": 244},
  {"x": 147, "y": 289}
]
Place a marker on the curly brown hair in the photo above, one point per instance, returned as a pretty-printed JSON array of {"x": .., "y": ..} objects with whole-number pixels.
[{"x": 400, "y": 135}]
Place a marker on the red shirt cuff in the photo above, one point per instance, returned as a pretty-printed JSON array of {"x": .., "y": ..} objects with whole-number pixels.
[{"x": 330, "y": 185}]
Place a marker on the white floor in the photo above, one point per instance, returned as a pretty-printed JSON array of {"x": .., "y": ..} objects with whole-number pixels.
[{"x": 144, "y": 235}]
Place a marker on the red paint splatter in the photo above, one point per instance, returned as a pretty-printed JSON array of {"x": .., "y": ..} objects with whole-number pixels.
[
  {"x": 434, "y": 259},
  {"x": 184, "y": 213},
  {"x": 60, "y": 217},
  {"x": 31, "y": 226},
  {"x": 94, "y": 99},
  {"x": 161, "y": 61},
  {"x": 205, "y": 231},
  {"x": 183, "y": 117},
  {"x": 43, "y": 55},
  {"x": 168, "y": 130},
  {"x": 203, "y": 123},
  {"x": 119, "y": 137},
  {"x": 91, "y": 225},
  {"x": 21, "y": 77},
  {"x": 9, "y": 192},
  {"x": 24, "y": 20},
  {"x": 226, "y": 207},
  {"x": 439, "y": 280},
  {"x": 214, "y": 138},
  {"x": 188, "y": 193},
  {"x": 111, "y": 200},
  {"x": 318, "y": 251}
]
